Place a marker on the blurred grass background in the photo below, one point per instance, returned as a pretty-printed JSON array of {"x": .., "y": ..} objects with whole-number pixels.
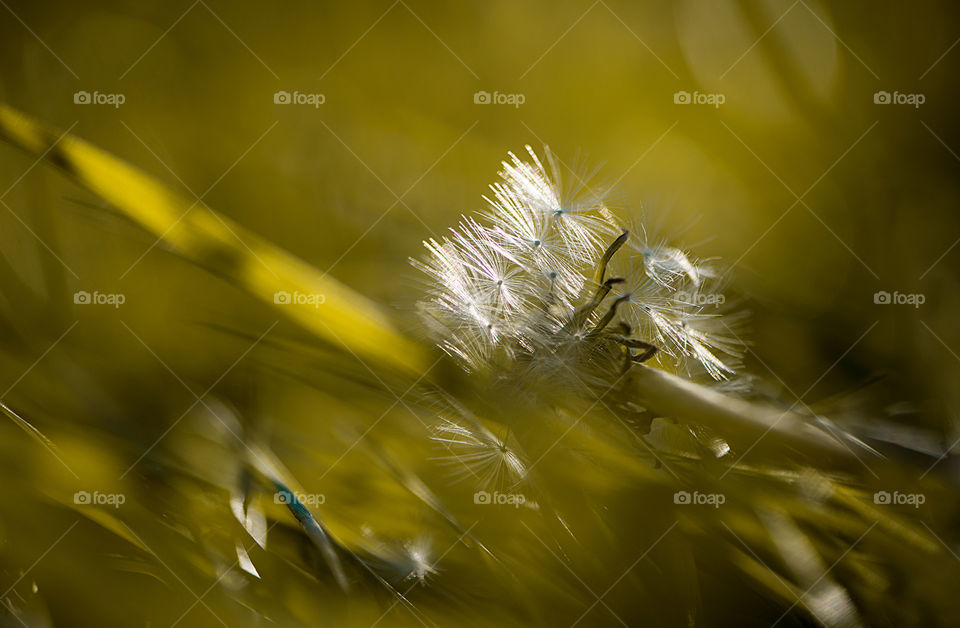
[{"x": 399, "y": 148}]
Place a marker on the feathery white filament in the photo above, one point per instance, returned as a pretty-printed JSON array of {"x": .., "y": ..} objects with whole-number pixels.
[
  {"x": 476, "y": 452},
  {"x": 517, "y": 288}
]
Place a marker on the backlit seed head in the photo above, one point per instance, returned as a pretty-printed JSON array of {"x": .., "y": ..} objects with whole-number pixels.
[{"x": 530, "y": 287}]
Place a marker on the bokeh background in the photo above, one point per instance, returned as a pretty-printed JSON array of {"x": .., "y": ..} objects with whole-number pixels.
[{"x": 813, "y": 190}]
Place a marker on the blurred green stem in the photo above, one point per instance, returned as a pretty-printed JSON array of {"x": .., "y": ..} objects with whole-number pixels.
[{"x": 745, "y": 424}]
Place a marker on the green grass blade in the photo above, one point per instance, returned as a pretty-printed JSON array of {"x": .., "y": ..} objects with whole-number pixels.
[{"x": 223, "y": 247}]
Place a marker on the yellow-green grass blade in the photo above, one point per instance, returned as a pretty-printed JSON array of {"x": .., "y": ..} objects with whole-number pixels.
[{"x": 194, "y": 231}]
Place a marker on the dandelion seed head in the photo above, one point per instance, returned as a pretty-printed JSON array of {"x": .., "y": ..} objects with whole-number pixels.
[
  {"x": 667, "y": 265},
  {"x": 487, "y": 456},
  {"x": 673, "y": 304},
  {"x": 557, "y": 233},
  {"x": 420, "y": 560},
  {"x": 519, "y": 288}
]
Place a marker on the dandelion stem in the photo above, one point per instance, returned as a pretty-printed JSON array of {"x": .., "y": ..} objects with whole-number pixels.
[{"x": 743, "y": 423}]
